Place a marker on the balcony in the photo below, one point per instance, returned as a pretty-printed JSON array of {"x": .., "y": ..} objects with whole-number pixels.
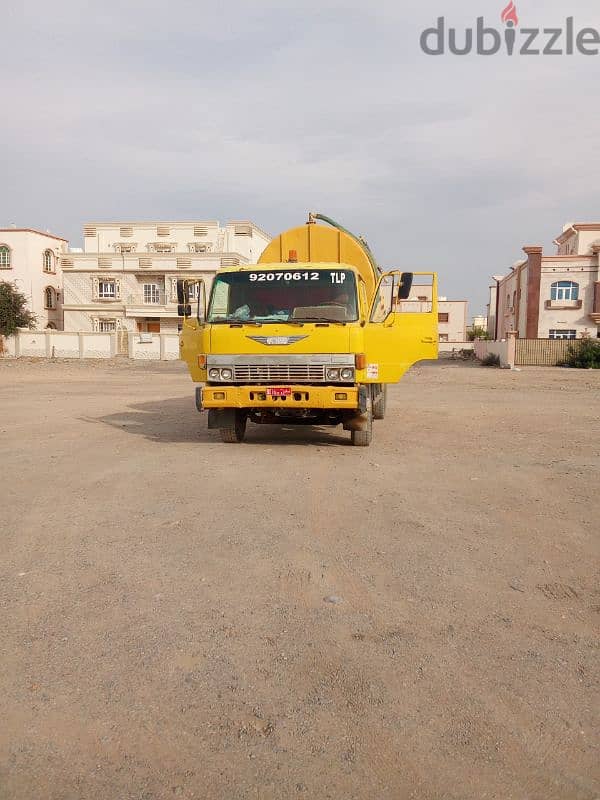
[
  {"x": 150, "y": 304},
  {"x": 562, "y": 305}
]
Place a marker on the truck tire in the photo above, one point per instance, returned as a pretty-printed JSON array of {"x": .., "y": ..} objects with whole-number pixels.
[
  {"x": 236, "y": 432},
  {"x": 380, "y": 403},
  {"x": 363, "y": 438}
]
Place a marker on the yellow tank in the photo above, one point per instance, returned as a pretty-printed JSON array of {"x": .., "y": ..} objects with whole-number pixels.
[{"x": 312, "y": 243}]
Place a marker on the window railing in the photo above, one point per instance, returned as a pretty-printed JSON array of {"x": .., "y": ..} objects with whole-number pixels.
[
  {"x": 562, "y": 304},
  {"x": 155, "y": 298}
]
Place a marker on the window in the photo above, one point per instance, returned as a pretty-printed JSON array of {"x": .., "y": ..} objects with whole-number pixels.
[
  {"x": 514, "y": 304},
  {"x": 243, "y": 230},
  {"x": 443, "y": 337},
  {"x": 161, "y": 247},
  {"x": 49, "y": 297},
  {"x": 107, "y": 325},
  {"x": 556, "y": 333},
  {"x": 163, "y": 230},
  {"x": 564, "y": 290},
  {"x": 48, "y": 261},
  {"x": 125, "y": 232},
  {"x": 106, "y": 290},
  {"x": 4, "y": 256},
  {"x": 442, "y": 317},
  {"x": 151, "y": 293},
  {"x": 125, "y": 247}
]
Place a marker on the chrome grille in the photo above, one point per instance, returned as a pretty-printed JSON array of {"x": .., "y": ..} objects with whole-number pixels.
[{"x": 264, "y": 373}]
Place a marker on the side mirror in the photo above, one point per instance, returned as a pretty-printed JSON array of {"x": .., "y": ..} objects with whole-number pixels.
[
  {"x": 183, "y": 309},
  {"x": 405, "y": 286},
  {"x": 182, "y": 294}
]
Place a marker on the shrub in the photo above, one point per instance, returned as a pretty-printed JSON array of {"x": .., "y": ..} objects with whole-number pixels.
[
  {"x": 583, "y": 355},
  {"x": 491, "y": 360}
]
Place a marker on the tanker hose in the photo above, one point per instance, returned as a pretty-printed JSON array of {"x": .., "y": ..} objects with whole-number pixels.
[{"x": 358, "y": 239}]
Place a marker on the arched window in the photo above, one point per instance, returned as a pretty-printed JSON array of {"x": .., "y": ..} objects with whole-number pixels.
[
  {"x": 51, "y": 326},
  {"x": 4, "y": 256},
  {"x": 49, "y": 297},
  {"x": 564, "y": 290},
  {"x": 48, "y": 261},
  {"x": 514, "y": 300}
]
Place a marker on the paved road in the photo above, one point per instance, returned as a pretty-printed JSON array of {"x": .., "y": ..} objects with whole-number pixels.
[{"x": 294, "y": 617}]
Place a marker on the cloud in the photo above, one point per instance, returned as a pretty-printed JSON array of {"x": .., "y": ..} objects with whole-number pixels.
[{"x": 264, "y": 111}]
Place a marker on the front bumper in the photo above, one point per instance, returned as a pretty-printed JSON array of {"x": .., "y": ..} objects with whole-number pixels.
[{"x": 301, "y": 396}]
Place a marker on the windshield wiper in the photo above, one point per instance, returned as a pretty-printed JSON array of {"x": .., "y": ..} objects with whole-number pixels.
[
  {"x": 234, "y": 321},
  {"x": 324, "y": 320}
]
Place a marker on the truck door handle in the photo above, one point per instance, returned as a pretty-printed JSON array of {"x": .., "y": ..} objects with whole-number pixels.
[{"x": 428, "y": 339}]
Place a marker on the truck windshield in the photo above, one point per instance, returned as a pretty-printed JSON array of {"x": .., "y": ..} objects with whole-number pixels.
[{"x": 282, "y": 296}]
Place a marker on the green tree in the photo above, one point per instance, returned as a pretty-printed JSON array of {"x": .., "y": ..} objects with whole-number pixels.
[
  {"x": 13, "y": 310},
  {"x": 477, "y": 332}
]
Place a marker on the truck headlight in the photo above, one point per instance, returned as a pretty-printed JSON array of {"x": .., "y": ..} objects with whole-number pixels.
[
  {"x": 333, "y": 374},
  {"x": 347, "y": 374},
  {"x": 226, "y": 374},
  {"x": 214, "y": 374}
]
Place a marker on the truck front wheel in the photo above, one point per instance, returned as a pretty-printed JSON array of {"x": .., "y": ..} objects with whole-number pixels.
[
  {"x": 363, "y": 438},
  {"x": 235, "y": 433}
]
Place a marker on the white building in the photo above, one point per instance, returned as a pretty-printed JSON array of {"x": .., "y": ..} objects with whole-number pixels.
[
  {"x": 126, "y": 277},
  {"x": 31, "y": 260}
]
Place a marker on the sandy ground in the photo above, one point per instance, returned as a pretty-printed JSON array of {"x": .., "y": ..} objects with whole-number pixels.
[{"x": 293, "y": 617}]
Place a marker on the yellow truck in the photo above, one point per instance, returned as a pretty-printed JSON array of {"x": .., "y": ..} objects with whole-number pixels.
[{"x": 310, "y": 335}]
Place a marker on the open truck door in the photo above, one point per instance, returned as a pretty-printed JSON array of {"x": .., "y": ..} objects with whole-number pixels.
[
  {"x": 403, "y": 325},
  {"x": 191, "y": 305},
  {"x": 191, "y": 293}
]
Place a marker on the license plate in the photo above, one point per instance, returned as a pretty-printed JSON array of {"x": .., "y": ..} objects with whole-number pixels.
[{"x": 278, "y": 391}]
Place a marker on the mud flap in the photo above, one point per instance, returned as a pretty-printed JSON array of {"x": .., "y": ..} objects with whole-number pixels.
[
  {"x": 221, "y": 417},
  {"x": 359, "y": 421},
  {"x": 363, "y": 397}
]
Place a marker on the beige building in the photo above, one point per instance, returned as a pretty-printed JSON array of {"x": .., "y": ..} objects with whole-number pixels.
[
  {"x": 126, "y": 277},
  {"x": 452, "y": 320},
  {"x": 554, "y": 296},
  {"x": 31, "y": 259}
]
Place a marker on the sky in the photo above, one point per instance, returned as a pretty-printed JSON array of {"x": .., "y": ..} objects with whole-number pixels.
[{"x": 266, "y": 110}]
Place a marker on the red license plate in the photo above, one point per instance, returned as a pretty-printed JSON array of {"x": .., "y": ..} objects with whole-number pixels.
[{"x": 278, "y": 391}]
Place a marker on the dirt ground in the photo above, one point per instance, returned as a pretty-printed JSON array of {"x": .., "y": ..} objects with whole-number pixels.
[{"x": 293, "y": 617}]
